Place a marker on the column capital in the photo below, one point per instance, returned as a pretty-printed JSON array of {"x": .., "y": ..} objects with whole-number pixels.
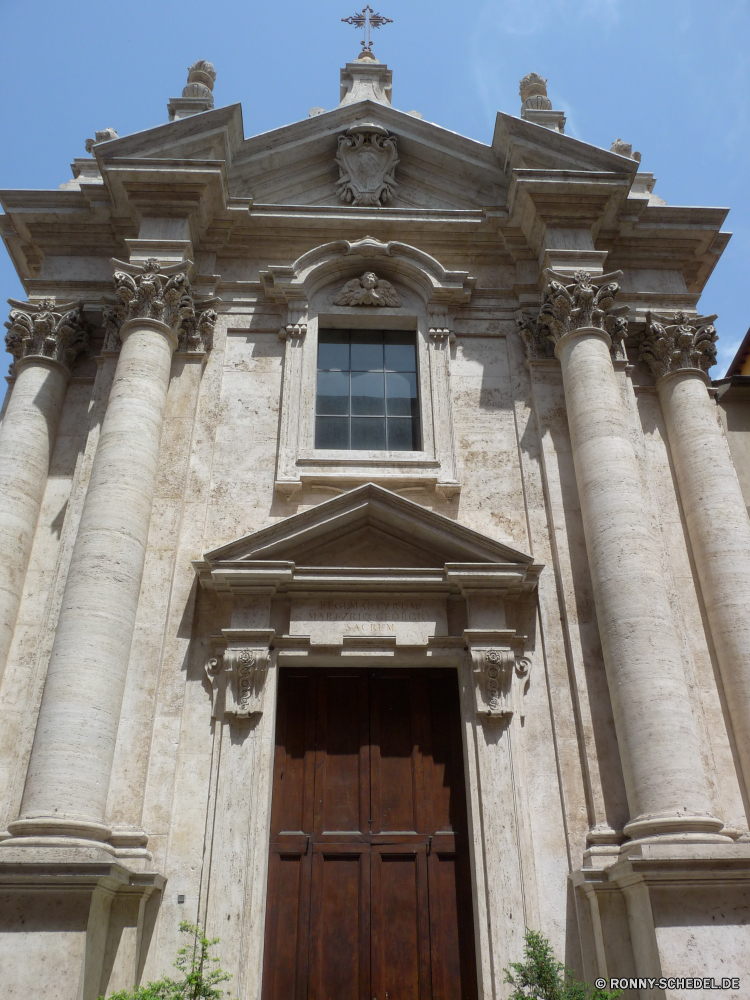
[
  {"x": 47, "y": 331},
  {"x": 586, "y": 302},
  {"x": 677, "y": 343},
  {"x": 161, "y": 293}
]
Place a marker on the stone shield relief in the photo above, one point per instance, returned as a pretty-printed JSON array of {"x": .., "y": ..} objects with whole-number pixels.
[{"x": 367, "y": 158}]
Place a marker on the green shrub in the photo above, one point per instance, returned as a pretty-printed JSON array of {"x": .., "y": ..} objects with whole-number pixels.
[
  {"x": 200, "y": 974},
  {"x": 541, "y": 977}
]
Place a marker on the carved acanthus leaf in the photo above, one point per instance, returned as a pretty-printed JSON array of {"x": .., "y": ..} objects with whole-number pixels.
[
  {"x": 566, "y": 306},
  {"x": 676, "y": 342},
  {"x": 150, "y": 294},
  {"x": 367, "y": 158},
  {"x": 46, "y": 329},
  {"x": 536, "y": 339},
  {"x": 584, "y": 302},
  {"x": 367, "y": 290}
]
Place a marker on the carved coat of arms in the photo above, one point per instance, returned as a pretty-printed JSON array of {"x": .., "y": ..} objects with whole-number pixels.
[{"x": 367, "y": 157}]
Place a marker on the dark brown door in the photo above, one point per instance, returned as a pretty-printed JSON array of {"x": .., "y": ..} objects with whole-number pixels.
[{"x": 369, "y": 889}]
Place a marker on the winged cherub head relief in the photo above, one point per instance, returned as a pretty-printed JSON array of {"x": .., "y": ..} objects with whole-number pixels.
[{"x": 368, "y": 290}]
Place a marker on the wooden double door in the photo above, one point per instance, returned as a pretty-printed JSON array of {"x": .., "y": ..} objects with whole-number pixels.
[{"x": 369, "y": 887}]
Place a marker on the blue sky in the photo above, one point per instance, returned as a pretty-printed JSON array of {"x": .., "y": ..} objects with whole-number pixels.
[{"x": 670, "y": 76}]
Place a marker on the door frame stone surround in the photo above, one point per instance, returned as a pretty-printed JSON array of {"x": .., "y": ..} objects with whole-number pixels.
[{"x": 471, "y": 608}]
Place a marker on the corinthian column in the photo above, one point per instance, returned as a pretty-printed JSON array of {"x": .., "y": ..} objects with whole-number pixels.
[
  {"x": 44, "y": 339},
  {"x": 662, "y": 768},
  {"x": 69, "y": 770},
  {"x": 680, "y": 350}
]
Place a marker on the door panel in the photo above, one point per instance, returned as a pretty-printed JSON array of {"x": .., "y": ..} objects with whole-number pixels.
[
  {"x": 342, "y": 758},
  {"x": 294, "y": 761},
  {"x": 400, "y": 923},
  {"x": 369, "y": 880},
  {"x": 340, "y": 919},
  {"x": 287, "y": 926},
  {"x": 397, "y": 790},
  {"x": 452, "y": 944}
]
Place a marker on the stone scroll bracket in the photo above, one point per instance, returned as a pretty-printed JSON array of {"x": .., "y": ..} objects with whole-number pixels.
[
  {"x": 237, "y": 673},
  {"x": 501, "y": 674}
]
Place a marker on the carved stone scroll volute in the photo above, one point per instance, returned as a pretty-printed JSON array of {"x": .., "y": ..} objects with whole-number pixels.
[
  {"x": 238, "y": 681},
  {"x": 500, "y": 682}
]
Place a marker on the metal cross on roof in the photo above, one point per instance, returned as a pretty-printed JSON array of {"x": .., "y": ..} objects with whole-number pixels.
[{"x": 367, "y": 19}]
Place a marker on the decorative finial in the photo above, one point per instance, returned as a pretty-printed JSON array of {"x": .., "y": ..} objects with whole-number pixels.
[
  {"x": 366, "y": 20},
  {"x": 198, "y": 95},
  {"x": 533, "y": 91},
  {"x": 200, "y": 81},
  {"x": 537, "y": 107}
]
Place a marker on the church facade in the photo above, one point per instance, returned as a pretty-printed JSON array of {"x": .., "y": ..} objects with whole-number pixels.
[{"x": 375, "y": 564}]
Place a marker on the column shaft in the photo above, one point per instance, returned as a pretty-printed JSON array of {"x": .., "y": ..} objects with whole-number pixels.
[
  {"x": 662, "y": 767},
  {"x": 27, "y": 437},
  {"x": 68, "y": 778},
  {"x": 719, "y": 531}
]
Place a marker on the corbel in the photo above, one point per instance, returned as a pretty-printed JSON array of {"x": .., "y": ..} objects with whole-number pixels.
[
  {"x": 237, "y": 673},
  {"x": 500, "y": 673}
]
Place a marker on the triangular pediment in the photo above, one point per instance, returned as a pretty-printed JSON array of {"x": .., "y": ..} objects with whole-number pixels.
[
  {"x": 368, "y": 526},
  {"x": 437, "y": 168}
]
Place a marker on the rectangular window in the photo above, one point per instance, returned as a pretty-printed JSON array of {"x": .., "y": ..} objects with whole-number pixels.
[{"x": 367, "y": 397}]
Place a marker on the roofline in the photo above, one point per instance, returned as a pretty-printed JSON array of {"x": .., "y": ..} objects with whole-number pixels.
[{"x": 743, "y": 353}]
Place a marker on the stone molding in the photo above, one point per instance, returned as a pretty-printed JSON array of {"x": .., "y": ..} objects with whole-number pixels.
[
  {"x": 677, "y": 343},
  {"x": 439, "y": 292},
  {"x": 586, "y": 302},
  {"x": 160, "y": 293},
  {"x": 294, "y": 284},
  {"x": 237, "y": 673},
  {"x": 46, "y": 330},
  {"x": 367, "y": 158},
  {"x": 367, "y": 290}
]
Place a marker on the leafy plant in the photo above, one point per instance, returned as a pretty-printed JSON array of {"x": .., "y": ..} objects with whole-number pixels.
[
  {"x": 541, "y": 977},
  {"x": 200, "y": 973}
]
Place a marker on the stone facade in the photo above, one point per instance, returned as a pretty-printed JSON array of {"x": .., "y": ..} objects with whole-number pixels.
[{"x": 571, "y": 537}]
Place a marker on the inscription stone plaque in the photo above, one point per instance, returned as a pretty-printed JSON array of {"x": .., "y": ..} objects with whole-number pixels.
[{"x": 327, "y": 619}]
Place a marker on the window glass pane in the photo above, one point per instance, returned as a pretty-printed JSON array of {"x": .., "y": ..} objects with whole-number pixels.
[
  {"x": 401, "y": 434},
  {"x": 400, "y": 353},
  {"x": 333, "y": 350},
  {"x": 368, "y": 433},
  {"x": 401, "y": 394},
  {"x": 333, "y": 392},
  {"x": 367, "y": 351},
  {"x": 332, "y": 432},
  {"x": 367, "y": 393}
]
